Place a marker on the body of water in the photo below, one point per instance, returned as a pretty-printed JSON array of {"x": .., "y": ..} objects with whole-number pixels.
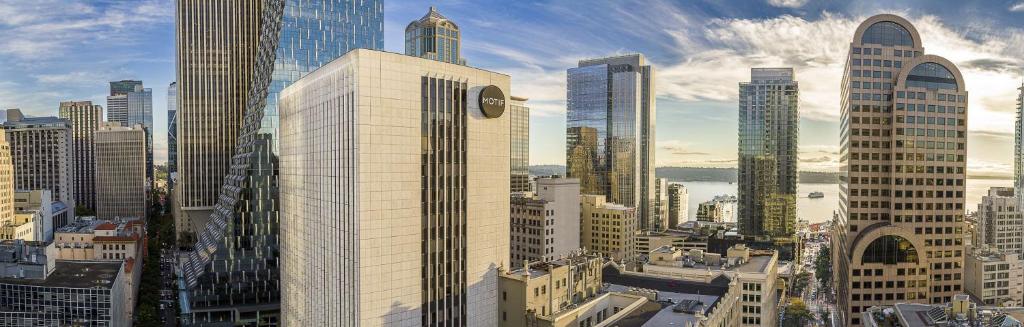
[{"x": 820, "y": 210}]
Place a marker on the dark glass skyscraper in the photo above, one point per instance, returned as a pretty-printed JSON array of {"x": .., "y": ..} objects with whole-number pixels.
[
  {"x": 232, "y": 274},
  {"x": 610, "y": 132},
  {"x": 519, "y": 119},
  {"x": 769, "y": 123}
]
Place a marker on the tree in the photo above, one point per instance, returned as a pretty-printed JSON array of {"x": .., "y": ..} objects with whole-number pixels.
[
  {"x": 823, "y": 267},
  {"x": 796, "y": 314},
  {"x": 800, "y": 282}
]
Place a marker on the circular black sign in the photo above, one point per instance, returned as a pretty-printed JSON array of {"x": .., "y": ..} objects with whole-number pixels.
[{"x": 492, "y": 101}]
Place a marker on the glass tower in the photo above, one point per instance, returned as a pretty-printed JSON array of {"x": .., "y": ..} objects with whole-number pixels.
[
  {"x": 769, "y": 124},
  {"x": 519, "y": 118},
  {"x": 172, "y": 136},
  {"x": 434, "y": 37},
  {"x": 234, "y": 265},
  {"x": 130, "y": 103},
  {"x": 899, "y": 233},
  {"x": 610, "y": 131}
]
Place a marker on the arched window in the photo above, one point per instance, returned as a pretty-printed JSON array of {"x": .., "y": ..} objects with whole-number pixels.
[
  {"x": 931, "y": 76},
  {"x": 890, "y": 250},
  {"x": 887, "y": 34}
]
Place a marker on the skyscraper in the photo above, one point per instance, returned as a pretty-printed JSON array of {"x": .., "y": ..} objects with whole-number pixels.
[
  {"x": 610, "y": 131},
  {"x": 519, "y": 119},
  {"x": 1018, "y": 149},
  {"x": 678, "y": 204},
  {"x": 6, "y": 181},
  {"x": 172, "y": 136},
  {"x": 130, "y": 103},
  {"x": 769, "y": 124},
  {"x": 41, "y": 154},
  {"x": 898, "y": 236},
  {"x": 282, "y": 41},
  {"x": 660, "y": 205},
  {"x": 85, "y": 119},
  {"x": 430, "y": 176},
  {"x": 120, "y": 171},
  {"x": 434, "y": 37},
  {"x": 1000, "y": 223}
]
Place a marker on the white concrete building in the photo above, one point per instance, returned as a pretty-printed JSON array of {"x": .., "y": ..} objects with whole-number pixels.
[
  {"x": 120, "y": 171},
  {"x": 996, "y": 278},
  {"x": 395, "y": 193},
  {"x": 41, "y": 155},
  {"x": 1000, "y": 221},
  {"x": 546, "y": 226}
]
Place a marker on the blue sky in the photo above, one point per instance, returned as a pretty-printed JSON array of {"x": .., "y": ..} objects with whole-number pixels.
[{"x": 67, "y": 50}]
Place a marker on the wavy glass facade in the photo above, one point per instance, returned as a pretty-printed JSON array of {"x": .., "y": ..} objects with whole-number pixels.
[
  {"x": 898, "y": 236},
  {"x": 85, "y": 120},
  {"x": 610, "y": 132},
  {"x": 769, "y": 126},
  {"x": 241, "y": 237}
]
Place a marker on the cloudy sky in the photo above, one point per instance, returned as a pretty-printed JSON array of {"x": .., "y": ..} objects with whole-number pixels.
[{"x": 68, "y": 50}]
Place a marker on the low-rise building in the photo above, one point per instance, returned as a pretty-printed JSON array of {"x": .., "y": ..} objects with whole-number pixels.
[
  {"x": 607, "y": 228},
  {"x": 960, "y": 312},
  {"x": 94, "y": 239},
  {"x": 541, "y": 294},
  {"x": 26, "y": 226},
  {"x": 646, "y": 242},
  {"x": 51, "y": 213},
  {"x": 545, "y": 226},
  {"x": 26, "y": 259},
  {"x": 75, "y": 293},
  {"x": 755, "y": 271},
  {"x": 994, "y": 277}
]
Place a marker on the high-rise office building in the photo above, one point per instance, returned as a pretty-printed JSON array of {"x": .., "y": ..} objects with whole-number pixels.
[
  {"x": 430, "y": 175},
  {"x": 130, "y": 103},
  {"x": 41, "y": 154},
  {"x": 1000, "y": 222},
  {"x": 281, "y": 41},
  {"x": 85, "y": 120},
  {"x": 607, "y": 228},
  {"x": 6, "y": 181},
  {"x": 898, "y": 236},
  {"x": 546, "y": 226},
  {"x": 519, "y": 119},
  {"x": 769, "y": 124},
  {"x": 120, "y": 171},
  {"x": 172, "y": 136},
  {"x": 660, "y": 205},
  {"x": 434, "y": 37},
  {"x": 1018, "y": 148},
  {"x": 678, "y": 204},
  {"x": 610, "y": 131}
]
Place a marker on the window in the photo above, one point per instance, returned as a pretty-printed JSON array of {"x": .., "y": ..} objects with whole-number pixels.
[
  {"x": 890, "y": 249},
  {"x": 888, "y": 34}
]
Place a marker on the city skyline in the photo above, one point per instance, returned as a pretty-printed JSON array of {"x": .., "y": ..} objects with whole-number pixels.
[{"x": 696, "y": 41}]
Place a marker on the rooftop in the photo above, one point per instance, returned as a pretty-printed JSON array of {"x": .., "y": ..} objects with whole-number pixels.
[
  {"x": 679, "y": 301},
  {"x": 75, "y": 274}
]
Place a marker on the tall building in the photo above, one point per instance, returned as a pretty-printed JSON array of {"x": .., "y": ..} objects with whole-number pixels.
[
  {"x": 994, "y": 277},
  {"x": 172, "y": 136},
  {"x": 120, "y": 171},
  {"x": 1000, "y": 224},
  {"x": 607, "y": 228},
  {"x": 282, "y": 41},
  {"x": 41, "y": 155},
  {"x": 678, "y": 204},
  {"x": 434, "y": 37},
  {"x": 85, "y": 119},
  {"x": 130, "y": 103},
  {"x": 546, "y": 226},
  {"x": 1018, "y": 148},
  {"x": 769, "y": 125},
  {"x": 6, "y": 181},
  {"x": 660, "y": 206},
  {"x": 430, "y": 175},
  {"x": 610, "y": 131},
  {"x": 903, "y": 147},
  {"x": 519, "y": 117}
]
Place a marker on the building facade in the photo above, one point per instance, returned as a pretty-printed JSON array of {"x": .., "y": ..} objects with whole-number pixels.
[
  {"x": 610, "y": 131},
  {"x": 519, "y": 116},
  {"x": 720, "y": 209},
  {"x": 1000, "y": 223},
  {"x": 1018, "y": 148},
  {"x": 607, "y": 228},
  {"x": 130, "y": 103},
  {"x": 678, "y": 204},
  {"x": 85, "y": 119},
  {"x": 537, "y": 294},
  {"x": 659, "y": 208},
  {"x": 120, "y": 171},
  {"x": 434, "y": 37},
  {"x": 172, "y": 136},
  {"x": 40, "y": 202},
  {"x": 41, "y": 155},
  {"x": 63, "y": 292},
  {"x": 769, "y": 127},
  {"x": 898, "y": 236},
  {"x": 431, "y": 169},
  {"x": 994, "y": 277},
  {"x": 545, "y": 226},
  {"x": 6, "y": 181}
]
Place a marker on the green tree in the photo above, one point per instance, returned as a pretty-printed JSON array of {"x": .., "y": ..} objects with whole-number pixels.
[
  {"x": 823, "y": 268},
  {"x": 800, "y": 282},
  {"x": 796, "y": 314}
]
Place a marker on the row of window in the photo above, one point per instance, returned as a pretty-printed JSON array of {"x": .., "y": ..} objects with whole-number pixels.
[
  {"x": 878, "y": 63},
  {"x": 879, "y": 51}
]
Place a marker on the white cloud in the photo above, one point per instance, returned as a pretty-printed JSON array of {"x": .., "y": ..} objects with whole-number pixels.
[
  {"x": 788, "y": 3},
  {"x": 1017, "y": 7}
]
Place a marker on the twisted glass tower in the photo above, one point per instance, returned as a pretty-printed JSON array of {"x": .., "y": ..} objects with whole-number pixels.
[{"x": 233, "y": 274}]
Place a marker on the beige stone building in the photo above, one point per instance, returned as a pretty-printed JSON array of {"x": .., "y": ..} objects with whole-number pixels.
[
  {"x": 540, "y": 294},
  {"x": 646, "y": 242},
  {"x": 40, "y": 202},
  {"x": 120, "y": 171},
  {"x": 95, "y": 239},
  {"x": 607, "y": 228},
  {"x": 6, "y": 181},
  {"x": 994, "y": 277},
  {"x": 545, "y": 226}
]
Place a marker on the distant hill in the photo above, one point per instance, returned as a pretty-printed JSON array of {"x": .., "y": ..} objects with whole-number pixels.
[{"x": 696, "y": 174}]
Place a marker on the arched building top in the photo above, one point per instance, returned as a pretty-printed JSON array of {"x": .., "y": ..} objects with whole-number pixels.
[
  {"x": 931, "y": 72},
  {"x": 888, "y": 30},
  {"x": 887, "y": 244}
]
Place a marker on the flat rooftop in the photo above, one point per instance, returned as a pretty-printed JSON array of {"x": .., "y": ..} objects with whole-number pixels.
[
  {"x": 663, "y": 314},
  {"x": 75, "y": 274}
]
